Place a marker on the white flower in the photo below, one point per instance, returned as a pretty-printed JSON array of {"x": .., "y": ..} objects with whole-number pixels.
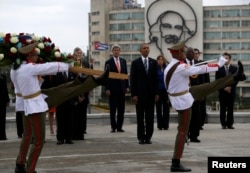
[
  {"x": 41, "y": 45},
  {"x": 37, "y": 50},
  {"x": 1, "y": 56},
  {"x": 14, "y": 40},
  {"x": 35, "y": 38},
  {"x": 2, "y": 34},
  {"x": 13, "y": 34},
  {"x": 57, "y": 54},
  {"x": 56, "y": 48},
  {"x": 13, "y": 50}
]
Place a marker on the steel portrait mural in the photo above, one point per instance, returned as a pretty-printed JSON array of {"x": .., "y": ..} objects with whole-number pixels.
[{"x": 170, "y": 21}]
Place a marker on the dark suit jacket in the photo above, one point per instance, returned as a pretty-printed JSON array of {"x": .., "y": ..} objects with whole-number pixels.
[
  {"x": 144, "y": 85},
  {"x": 222, "y": 73},
  {"x": 199, "y": 79},
  {"x": 115, "y": 85}
]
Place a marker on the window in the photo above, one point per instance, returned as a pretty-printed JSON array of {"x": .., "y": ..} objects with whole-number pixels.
[
  {"x": 120, "y": 27},
  {"x": 231, "y": 35},
  {"x": 245, "y": 56},
  {"x": 246, "y": 23},
  {"x": 212, "y": 24},
  {"x": 138, "y": 36},
  {"x": 212, "y": 13},
  {"x": 245, "y": 13},
  {"x": 120, "y": 16},
  {"x": 245, "y": 46},
  {"x": 230, "y": 13},
  {"x": 233, "y": 46},
  {"x": 138, "y": 26},
  {"x": 96, "y": 13},
  {"x": 96, "y": 33},
  {"x": 138, "y": 16},
  {"x": 212, "y": 35},
  {"x": 119, "y": 37},
  {"x": 245, "y": 34},
  {"x": 95, "y": 53},
  {"x": 95, "y": 23},
  {"x": 212, "y": 46},
  {"x": 231, "y": 23},
  {"x": 135, "y": 47},
  {"x": 125, "y": 47}
]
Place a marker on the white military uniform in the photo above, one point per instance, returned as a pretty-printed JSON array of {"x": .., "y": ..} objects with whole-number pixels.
[
  {"x": 19, "y": 105},
  {"x": 27, "y": 82},
  {"x": 179, "y": 82}
]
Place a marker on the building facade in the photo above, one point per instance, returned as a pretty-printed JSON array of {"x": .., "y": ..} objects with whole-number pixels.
[{"x": 227, "y": 29}]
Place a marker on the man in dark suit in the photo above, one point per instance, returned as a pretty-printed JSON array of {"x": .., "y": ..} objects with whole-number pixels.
[
  {"x": 197, "y": 107},
  {"x": 81, "y": 101},
  {"x": 203, "y": 78},
  {"x": 64, "y": 112},
  {"x": 4, "y": 102},
  {"x": 144, "y": 92},
  {"x": 227, "y": 94},
  {"x": 116, "y": 89}
]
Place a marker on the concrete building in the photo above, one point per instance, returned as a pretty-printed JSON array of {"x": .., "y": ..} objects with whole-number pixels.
[{"x": 227, "y": 29}]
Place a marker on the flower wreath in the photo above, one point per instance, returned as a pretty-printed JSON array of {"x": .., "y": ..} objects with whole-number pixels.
[{"x": 48, "y": 52}]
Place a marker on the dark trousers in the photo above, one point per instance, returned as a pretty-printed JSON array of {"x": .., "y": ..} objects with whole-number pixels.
[
  {"x": 145, "y": 119},
  {"x": 203, "y": 111},
  {"x": 195, "y": 122},
  {"x": 19, "y": 123},
  {"x": 162, "y": 110},
  {"x": 226, "y": 109},
  {"x": 117, "y": 107},
  {"x": 80, "y": 120},
  {"x": 64, "y": 119},
  {"x": 2, "y": 121}
]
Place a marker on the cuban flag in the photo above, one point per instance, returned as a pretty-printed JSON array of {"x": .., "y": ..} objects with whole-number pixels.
[{"x": 100, "y": 46}]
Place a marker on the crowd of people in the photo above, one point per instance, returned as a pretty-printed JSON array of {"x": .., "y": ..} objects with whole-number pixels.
[{"x": 155, "y": 84}]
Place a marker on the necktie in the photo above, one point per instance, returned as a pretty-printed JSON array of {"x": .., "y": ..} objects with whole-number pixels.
[
  {"x": 145, "y": 65},
  {"x": 191, "y": 63},
  {"x": 117, "y": 65},
  {"x": 227, "y": 69}
]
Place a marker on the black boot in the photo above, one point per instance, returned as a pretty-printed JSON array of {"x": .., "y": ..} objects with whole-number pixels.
[
  {"x": 20, "y": 168},
  {"x": 103, "y": 79},
  {"x": 177, "y": 166},
  {"x": 239, "y": 74}
]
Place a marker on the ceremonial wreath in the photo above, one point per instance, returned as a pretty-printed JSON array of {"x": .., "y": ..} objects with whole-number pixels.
[{"x": 48, "y": 52}]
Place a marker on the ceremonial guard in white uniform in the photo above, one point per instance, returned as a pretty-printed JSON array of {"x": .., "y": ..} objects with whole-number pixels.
[
  {"x": 26, "y": 80},
  {"x": 176, "y": 77}
]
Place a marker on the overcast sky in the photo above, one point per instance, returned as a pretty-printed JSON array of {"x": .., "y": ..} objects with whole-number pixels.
[{"x": 64, "y": 21}]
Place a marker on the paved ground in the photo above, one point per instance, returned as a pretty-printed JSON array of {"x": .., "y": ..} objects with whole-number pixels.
[{"x": 105, "y": 152}]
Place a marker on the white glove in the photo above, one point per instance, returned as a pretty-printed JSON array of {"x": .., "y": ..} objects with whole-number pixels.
[{"x": 221, "y": 61}]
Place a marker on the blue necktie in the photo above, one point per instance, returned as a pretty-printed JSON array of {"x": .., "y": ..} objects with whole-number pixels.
[{"x": 145, "y": 65}]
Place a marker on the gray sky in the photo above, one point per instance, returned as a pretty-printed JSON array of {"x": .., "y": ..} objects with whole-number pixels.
[{"x": 64, "y": 21}]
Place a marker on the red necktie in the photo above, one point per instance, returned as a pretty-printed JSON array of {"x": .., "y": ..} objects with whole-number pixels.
[{"x": 117, "y": 65}]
